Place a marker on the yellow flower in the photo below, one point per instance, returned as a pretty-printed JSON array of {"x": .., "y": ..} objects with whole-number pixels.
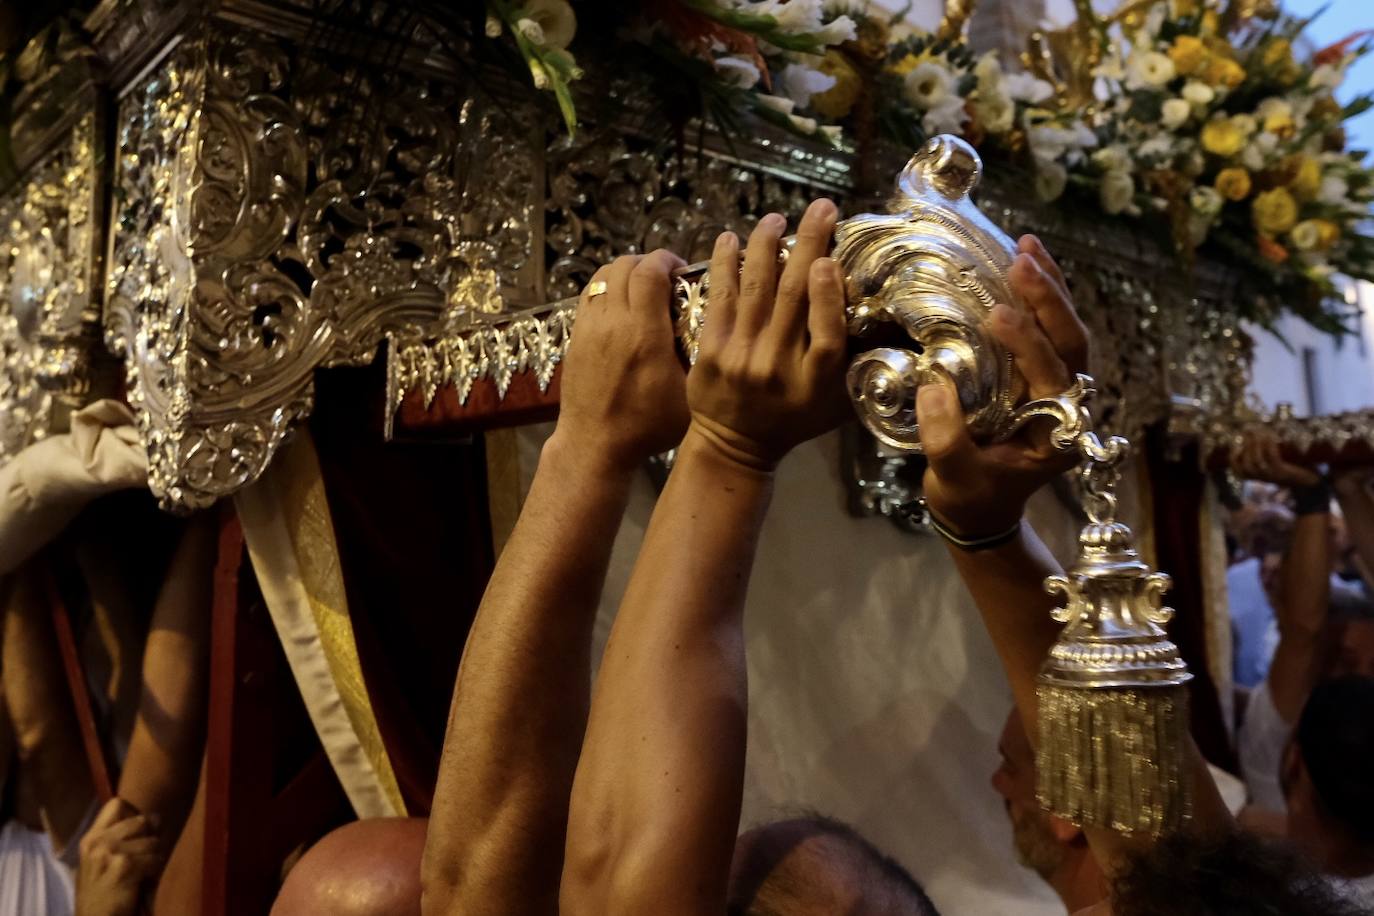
[
  {"x": 1221, "y": 137},
  {"x": 839, "y": 99},
  {"x": 1315, "y": 234},
  {"x": 1180, "y": 8},
  {"x": 1280, "y": 123},
  {"x": 906, "y": 64},
  {"x": 1222, "y": 71},
  {"x": 1274, "y": 212},
  {"x": 1188, "y": 54},
  {"x": 1307, "y": 178},
  {"x": 1233, "y": 183},
  {"x": 1278, "y": 53},
  {"x": 1211, "y": 22}
]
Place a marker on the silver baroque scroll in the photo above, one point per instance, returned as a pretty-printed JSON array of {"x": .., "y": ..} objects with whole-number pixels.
[
  {"x": 48, "y": 318},
  {"x": 278, "y": 212}
]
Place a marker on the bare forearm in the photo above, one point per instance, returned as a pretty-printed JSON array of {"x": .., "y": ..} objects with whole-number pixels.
[
  {"x": 497, "y": 829},
  {"x": 656, "y": 804},
  {"x": 1305, "y": 591},
  {"x": 158, "y": 776}
]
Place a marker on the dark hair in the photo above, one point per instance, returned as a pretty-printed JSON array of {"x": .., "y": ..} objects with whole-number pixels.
[
  {"x": 1335, "y": 736},
  {"x": 1235, "y": 874},
  {"x": 761, "y": 888}
]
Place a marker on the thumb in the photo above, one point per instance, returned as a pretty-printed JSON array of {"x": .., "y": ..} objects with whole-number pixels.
[{"x": 944, "y": 435}]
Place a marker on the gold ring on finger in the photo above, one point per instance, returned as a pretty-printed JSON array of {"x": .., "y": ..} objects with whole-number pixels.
[{"x": 596, "y": 288}]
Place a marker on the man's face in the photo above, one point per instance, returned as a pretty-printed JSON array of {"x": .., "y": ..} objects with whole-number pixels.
[
  {"x": 1354, "y": 650},
  {"x": 1032, "y": 828}
]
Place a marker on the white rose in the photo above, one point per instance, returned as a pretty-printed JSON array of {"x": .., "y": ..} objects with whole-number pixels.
[
  {"x": 555, "y": 19},
  {"x": 1023, "y": 87},
  {"x": 1174, "y": 113},
  {"x": 737, "y": 71},
  {"x": 1205, "y": 201},
  {"x": 946, "y": 118},
  {"x": 1334, "y": 190},
  {"x": 1050, "y": 179},
  {"x": 1244, "y": 123},
  {"x": 929, "y": 84},
  {"x": 1157, "y": 148},
  {"x": 1149, "y": 69},
  {"x": 1198, "y": 93},
  {"x": 1112, "y": 158},
  {"x": 1117, "y": 191},
  {"x": 799, "y": 82},
  {"x": 1274, "y": 106},
  {"x": 996, "y": 113},
  {"x": 988, "y": 70}
]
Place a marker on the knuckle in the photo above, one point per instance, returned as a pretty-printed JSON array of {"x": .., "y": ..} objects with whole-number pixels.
[{"x": 751, "y": 288}]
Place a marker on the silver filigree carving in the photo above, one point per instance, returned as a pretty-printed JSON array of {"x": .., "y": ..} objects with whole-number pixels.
[
  {"x": 48, "y": 318},
  {"x": 280, "y": 213}
]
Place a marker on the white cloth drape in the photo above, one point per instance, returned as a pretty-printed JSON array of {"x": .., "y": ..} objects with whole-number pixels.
[{"x": 32, "y": 881}]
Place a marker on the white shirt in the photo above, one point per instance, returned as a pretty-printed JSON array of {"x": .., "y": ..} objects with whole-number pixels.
[
  {"x": 1357, "y": 890},
  {"x": 1260, "y": 743},
  {"x": 32, "y": 881}
]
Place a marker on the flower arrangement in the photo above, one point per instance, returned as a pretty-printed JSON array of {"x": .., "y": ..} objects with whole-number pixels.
[{"x": 1220, "y": 128}]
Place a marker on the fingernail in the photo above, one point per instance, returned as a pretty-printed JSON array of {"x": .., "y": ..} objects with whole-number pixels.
[
  {"x": 726, "y": 240},
  {"x": 774, "y": 222},
  {"x": 821, "y": 206}
]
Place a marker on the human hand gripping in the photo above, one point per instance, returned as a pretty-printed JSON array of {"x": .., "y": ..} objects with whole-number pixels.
[
  {"x": 981, "y": 490},
  {"x": 770, "y": 371},
  {"x": 119, "y": 854},
  {"x": 1259, "y": 458},
  {"x": 623, "y": 387}
]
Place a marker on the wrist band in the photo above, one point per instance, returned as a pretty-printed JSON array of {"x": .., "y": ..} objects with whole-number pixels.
[
  {"x": 967, "y": 544},
  {"x": 1312, "y": 500}
]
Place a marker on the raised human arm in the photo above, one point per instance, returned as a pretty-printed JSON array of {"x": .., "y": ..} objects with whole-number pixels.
[
  {"x": 982, "y": 490},
  {"x": 656, "y": 802},
  {"x": 497, "y": 828},
  {"x": 1304, "y": 577}
]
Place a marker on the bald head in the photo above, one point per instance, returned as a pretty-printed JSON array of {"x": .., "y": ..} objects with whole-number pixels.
[
  {"x": 814, "y": 866},
  {"x": 365, "y": 868}
]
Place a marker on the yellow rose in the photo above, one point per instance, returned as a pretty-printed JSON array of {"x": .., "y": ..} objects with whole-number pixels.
[
  {"x": 1307, "y": 178},
  {"x": 1233, "y": 183},
  {"x": 839, "y": 99},
  {"x": 1222, "y": 71},
  {"x": 1315, "y": 234},
  {"x": 1278, "y": 53},
  {"x": 1222, "y": 138},
  {"x": 1274, "y": 212},
  {"x": 1280, "y": 123},
  {"x": 1188, "y": 54}
]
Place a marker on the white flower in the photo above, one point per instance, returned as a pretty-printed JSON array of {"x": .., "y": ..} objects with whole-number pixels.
[
  {"x": 1174, "y": 112},
  {"x": 795, "y": 17},
  {"x": 928, "y": 85},
  {"x": 555, "y": 20},
  {"x": 1149, "y": 69},
  {"x": 1117, "y": 191},
  {"x": 1206, "y": 201},
  {"x": 493, "y": 27},
  {"x": 776, "y": 103},
  {"x": 1244, "y": 123},
  {"x": 988, "y": 70},
  {"x": 1112, "y": 68},
  {"x": 799, "y": 82},
  {"x": 1049, "y": 141},
  {"x": 1198, "y": 93},
  {"x": 1023, "y": 87},
  {"x": 805, "y": 125},
  {"x": 1050, "y": 179},
  {"x": 1274, "y": 107},
  {"x": 996, "y": 113},
  {"x": 1112, "y": 158},
  {"x": 739, "y": 72},
  {"x": 1306, "y": 235},
  {"x": 839, "y": 29},
  {"x": 1157, "y": 148},
  {"x": 1334, "y": 190},
  {"x": 833, "y": 133},
  {"x": 946, "y": 118},
  {"x": 1327, "y": 76}
]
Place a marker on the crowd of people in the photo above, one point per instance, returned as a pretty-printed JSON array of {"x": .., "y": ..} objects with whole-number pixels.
[{"x": 560, "y": 795}]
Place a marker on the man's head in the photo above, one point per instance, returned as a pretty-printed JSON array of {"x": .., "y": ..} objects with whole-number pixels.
[
  {"x": 1043, "y": 842},
  {"x": 1354, "y": 647},
  {"x": 1191, "y": 875},
  {"x": 1327, "y": 767},
  {"x": 815, "y": 866}
]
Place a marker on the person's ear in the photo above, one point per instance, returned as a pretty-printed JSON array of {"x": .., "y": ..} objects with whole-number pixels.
[{"x": 1063, "y": 831}]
